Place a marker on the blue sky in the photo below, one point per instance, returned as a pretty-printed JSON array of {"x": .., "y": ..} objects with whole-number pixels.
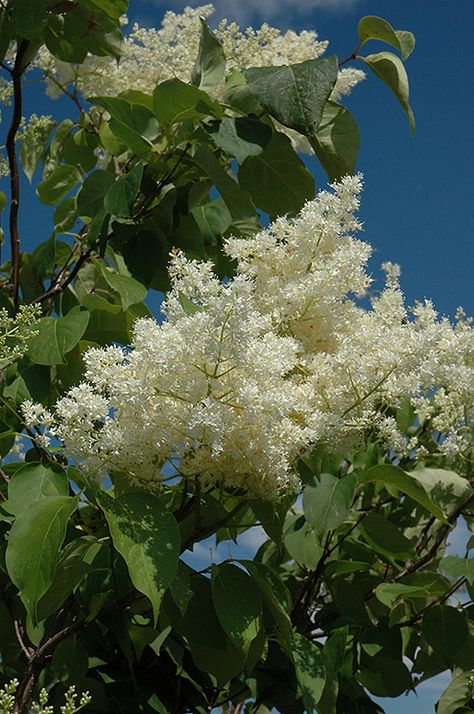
[{"x": 417, "y": 204}]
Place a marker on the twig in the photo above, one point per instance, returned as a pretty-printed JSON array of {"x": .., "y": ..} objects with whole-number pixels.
[{"x": 16, "y": 74}]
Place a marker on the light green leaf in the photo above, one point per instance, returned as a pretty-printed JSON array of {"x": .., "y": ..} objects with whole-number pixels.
[
  {"x": 209, "y": 68},
  {"x": 33, "y": 147},
  {"x": 372, "y": 27},
  {"x": 389, "y": 68},
  {"x": 445, "y": 629},
  {"x": 34, "y": 543},
  {"x": 113, "y": 8},
  {"x": 303, "y": 544},
  {"x": 458, "y": 567},
  {"x": 122, "y": 193},
  {"x": 147, "y": 536},
  {"x": 388, "y": 593},
  {"x": 34, "y": 481},
  {"x": 130, "y": 290},
  {"x": 337, "y": 141},
  {"x": 309, "y": 669},
  {"x": 295, "y": 94},
  {"x": 237, "y": 603},
  {"x": 326, "y": 503},
  {"x": 188, "y": 305},
  {"x": 174, "y": 101},
  {"x": 58, "y": 184},
  {"x": 276, "y": 178},
  {"x": 443, "y": 487},
  {"x": 395, "y": 476},
  {"x": 3, "y": 201},
  {"x": 57, "y": 336},
  {"x": 458, "y": 693},
  {"x": 133, "y": 124}
]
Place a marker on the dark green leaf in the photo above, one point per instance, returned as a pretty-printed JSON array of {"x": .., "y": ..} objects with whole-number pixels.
[
  {"x": 174, "y": 101},
  {"x": 241, "y": 137},
  {"x": 238, "y": 604},
  {"x": 336, "y": 143},
  {"x": 385, "y": 537},
  {"x": 385, "y": 677},
  {"x": 58, "y": 184},
  {"x": 372, "y": 27},
  {"x": 276, "y": 178},
  {"x": 303, "y": 544},
  {"x": 122, "y": 193},
  {"x": 35, "y": 540},
  {"x": 326, "y": 503},
  {"x": 146, "y": 534},
  {"x": 445, "y": 629},
  {"x": 29, "y": 17},
  {"x": 295, "y": 94},
  {"x": 390, "y": 69},
  {"x": 34, "y": 481},
  {"x": 70, "y": 661},
  {"x": 91, "y": 194},
  {"x": 209, "y": 68},
  {"x": 57, "y": 336}
]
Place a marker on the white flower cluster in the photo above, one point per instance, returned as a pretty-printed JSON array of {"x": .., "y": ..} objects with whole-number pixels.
[
  {"x": 16, "y": 331},
  {"x": 151, "y": 56},
  {"x": 243, "y": 376}
]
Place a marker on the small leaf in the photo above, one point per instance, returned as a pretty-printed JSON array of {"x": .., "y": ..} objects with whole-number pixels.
[
  {"x": 122, "y": 193},
  {"x": 188, "y": 305},
  {"x": 336, "y": 143},
  {"x": 241, "y": 137},
  {"x": 58, "y": 184},
  {"x": 276, "y": 178},
  {"x": 130, "y": 290},
  {"x": 390, "y": 69},
  {"x": 388, "y": 593},
  {"x": 35, "y": 540},
  {"x": 310, "y": 670},
  {"x": 375, "y": 28},
  {"x": 445, "y": 629},
  {"x": 326, "y": 503},
  {"x": 57, "y": 336},
  {"x": 303, "y": 544},
  {"x": 133, "y": 124},
  {"x": 33, "y": 147},
  {"x": 295, "y": 94},
  {"x": 209, "y": 68},
  {"x": 35, "y": 481},
  {"x": 146, "y": 535},
  {"x": 458, "y": 567},
  {"x": 174, "y": 101},
  {"x": 458, "y": 693},
  {"x": 238, "y": 604}
]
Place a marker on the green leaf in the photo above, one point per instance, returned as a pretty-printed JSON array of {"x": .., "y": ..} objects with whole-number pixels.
[
  {"x": 388, "y": 593},
  {"x": 389, "y": 68},
  {"x": 174, "y": 101},
  {"x": 276, "y": 596},
  {"x": 303, "y": 544},
  {"x": 146, "y": 534},
  {"x": 65, "y": 215},
  {"x": 372, "y": 27},
  {"x": 241, "y": 137},
  {"x": 295, "y": 94},
  {"x": 336, "y": 143},
  {"x": 404, "y": 482},
  {"x": 443, "y": 487},
  {"x": 458, "y": 567},
  {"x": 310, "y": 670},
  {"x": 130, "y": 290},
  {"x": 57, "y": 336},
  {"x": 385, "y": 677},
  {"x": 122, "y": 193},
  {"x": 445, "y": 629},
  {"x": 458, "y": 693},
  {"x": 276, "y": 178},
  {"x": 238, "y": 604},
  {"x": 70, "y": 661},
  {"x": 34, "y": 481},
  {"x": 209, "y": 69},
  {"x": 385, "y": 537},
  {"x": 133, "y": 124},
  {"x": 29, "y": 17},
  {"x": 58, "y": 184},
  {"x": 237, "y": 201},
  {"x": 326, "y": 503},
  {"x": 35, "y": 540},
  {"x": 113, "y": 8},
  {"x": 3, "y": 201},
  {"x": 91, "y": 194}
]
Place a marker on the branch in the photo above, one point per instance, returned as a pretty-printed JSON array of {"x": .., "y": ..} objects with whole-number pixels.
[{"x": 16, "y": 74}]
